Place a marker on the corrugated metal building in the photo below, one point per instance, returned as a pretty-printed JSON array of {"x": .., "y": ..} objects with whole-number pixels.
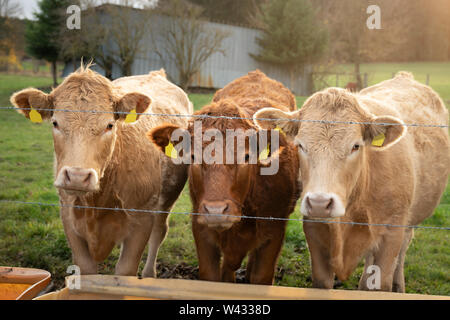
[{"x": 218, "y": 70}]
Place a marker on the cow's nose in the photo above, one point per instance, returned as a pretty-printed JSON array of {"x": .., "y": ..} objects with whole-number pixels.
[
  {"x": 218, "y": 214},
  {"x": 74, "y": 178},
  {"x": 218, "y": 207},
  {"x": 320, "y": 203}
]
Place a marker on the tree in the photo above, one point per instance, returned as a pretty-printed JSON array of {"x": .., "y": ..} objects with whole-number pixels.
[
  {"x": 10, "y": 33},
  {"x": 185, "y": 41},
  {"x": 42, "y": 35},
  {"x": 292, "y": 36},
  {"x": 232, "y": 11},
  {"x": 353, "y": 42},
  {"x": 110, "y": 33},
  {"x": 89, "y": 41},
  {"x": 127, "y": 28}
]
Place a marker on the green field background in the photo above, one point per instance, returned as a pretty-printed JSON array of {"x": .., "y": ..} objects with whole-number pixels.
[{"x": 32, "y": 236}]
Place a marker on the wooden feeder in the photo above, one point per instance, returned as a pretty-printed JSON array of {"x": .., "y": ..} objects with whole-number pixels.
[
  {"x": 22, "y": 283},
  {"x": 119, "y": 287}
]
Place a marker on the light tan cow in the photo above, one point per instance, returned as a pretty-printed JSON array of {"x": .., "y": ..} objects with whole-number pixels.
[
  {"x": 102, "y": 161},
  {"x": 347, "y": 177}
]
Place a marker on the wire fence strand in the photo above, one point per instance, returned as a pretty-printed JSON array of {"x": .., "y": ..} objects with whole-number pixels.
[
  {"x": 43, "y": 204},
  {"x": 130, "y": 210},
  {"x": 205, "y": 116}
]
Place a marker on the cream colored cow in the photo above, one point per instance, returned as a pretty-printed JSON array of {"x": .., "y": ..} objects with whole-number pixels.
[
  {"x": 370, "y": 173},
  {"x": 102, "y": 161}
]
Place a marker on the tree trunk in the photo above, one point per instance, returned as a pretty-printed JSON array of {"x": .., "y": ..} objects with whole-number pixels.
[
  {"x": 108, "y": 68},
  {"x": 54, "y": 74},
  {"x": 292, "y": 78},
  {"x": 358, "y": 76}
]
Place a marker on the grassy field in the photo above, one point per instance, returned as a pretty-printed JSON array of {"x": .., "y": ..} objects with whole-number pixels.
[
  {"x": 32, "y": 236},
  {"x": 439, "y": 74}
]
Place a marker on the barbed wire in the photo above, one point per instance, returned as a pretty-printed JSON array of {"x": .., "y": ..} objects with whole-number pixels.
[
  {"x": 43, "y": 204},
  {"x": 222, "y": 215},
  {"x": 205, "y": 116}
]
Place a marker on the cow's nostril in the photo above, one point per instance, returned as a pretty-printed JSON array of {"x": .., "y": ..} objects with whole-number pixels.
[
  {"x": 67, "y": 175},
  {"x": 330, "y": 204},
  {"x": 308, "y": 203},
  {"x": 87, "y": 177}
]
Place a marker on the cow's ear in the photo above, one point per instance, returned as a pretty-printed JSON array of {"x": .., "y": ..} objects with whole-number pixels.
[
  {"x": 133, "y": 103},
  {"x": 272, "y": 118},
  {"x": 161, "y": 136},
  {"x": 384, "y": 131},
  {"x": 30, "y": 99}
]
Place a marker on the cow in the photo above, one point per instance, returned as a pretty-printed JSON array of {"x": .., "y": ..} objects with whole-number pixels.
[
  {"x": 352, "y": 86},
  {"x": 105, "y": 162},
  {"x": 363, "y": 164},
  {"x": 222, "y": 194}
]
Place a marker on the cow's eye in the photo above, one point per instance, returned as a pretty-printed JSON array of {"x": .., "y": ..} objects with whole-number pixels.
[
  {"x": 55, "y": 124},
  {"x": 356, "y": 147},
  {"x": 109, "y": 126}
]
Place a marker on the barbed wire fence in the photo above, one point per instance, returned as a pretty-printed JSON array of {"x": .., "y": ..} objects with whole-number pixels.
[{"x": 134, "y": 210}]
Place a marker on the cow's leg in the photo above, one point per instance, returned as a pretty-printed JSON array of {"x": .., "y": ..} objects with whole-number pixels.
[
  {"x": 266, "y": 260},
  {"x": 159, "y": 230},
  {"x": 133, "y": 246},
  {"x": 386, "y": 257},
  {"x": 231, "y": 262},
  {"x": 398, "y": 284},
  {"x": 208, "y": 253},
  {"x": 80, "y": 251},
  {"x": 250, "y": 265},
  {"x": 363, "y": 280},
  {"x": 322, "y": 271}
]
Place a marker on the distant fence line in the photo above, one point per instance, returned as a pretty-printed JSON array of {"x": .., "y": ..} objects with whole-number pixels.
[{"x": 364, "y": 77}]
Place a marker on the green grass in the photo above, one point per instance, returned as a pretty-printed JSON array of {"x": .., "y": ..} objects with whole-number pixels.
[
  {"x": 439, "y": 73},
  {"x": 32, "y": 236}
]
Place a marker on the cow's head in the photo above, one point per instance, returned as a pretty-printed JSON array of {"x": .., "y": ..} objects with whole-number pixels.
[
  {"x": 334, "y": 153},
  {"x": 84, "y": 140},
  {"x": 218, "y": 191}
]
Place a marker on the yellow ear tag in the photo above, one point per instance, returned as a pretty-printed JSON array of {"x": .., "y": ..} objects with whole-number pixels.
[
  {"x": 131, "y": 117},
  {"x": 171, "y": 151},
  {"x": 35, "y": 116},
  {"x": 265, "y": 153},
  {"x": 279, "y": 129},
  {"x": 378, "y": 140}
]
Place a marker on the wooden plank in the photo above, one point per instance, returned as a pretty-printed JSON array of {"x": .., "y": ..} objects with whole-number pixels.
[{"x": 101, "y": 286}]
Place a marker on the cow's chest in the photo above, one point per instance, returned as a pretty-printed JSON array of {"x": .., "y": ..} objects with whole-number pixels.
[{"x": 101, "y": 230}]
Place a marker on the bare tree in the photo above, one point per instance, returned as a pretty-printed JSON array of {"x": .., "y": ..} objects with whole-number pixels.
[
  {"x": 10, "y": 30},
  {"x": 111, "y": 33},
  {"x": 353, "y": 41},
  {"x": 129, "y": 21},
  {"x": 185, "y": 41},
  {"x": 10, "y": 8}
]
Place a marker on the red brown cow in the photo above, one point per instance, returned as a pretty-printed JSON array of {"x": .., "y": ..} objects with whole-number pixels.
[{"x": 223, "y": 193}]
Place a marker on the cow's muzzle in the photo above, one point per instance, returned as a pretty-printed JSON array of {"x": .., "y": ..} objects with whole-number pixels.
[
  {"x": 77, "y": 179},
  {"x": 220, "y": 215},
  {"x": 322, "y": 205}
]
